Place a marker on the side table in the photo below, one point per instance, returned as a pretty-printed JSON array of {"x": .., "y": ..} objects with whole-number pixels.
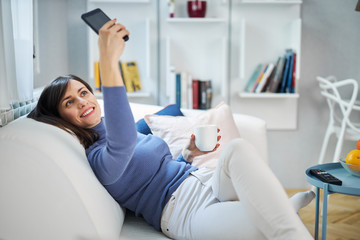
[{"x": 350, "y": 186}]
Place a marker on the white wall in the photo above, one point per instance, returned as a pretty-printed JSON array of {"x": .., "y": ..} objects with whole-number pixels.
[
  {"x": 330, "y": 37},
  {"x": 62, "y": 40},
  {"x": 330, "y": 46},
  {"x": 53, "y": 45}
]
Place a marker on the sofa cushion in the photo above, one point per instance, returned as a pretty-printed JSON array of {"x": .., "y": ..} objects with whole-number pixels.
[
  {"x": 48, "y": 187},
  {"x": 170, "y": 110},
  {"x": 176, "y": 131}
]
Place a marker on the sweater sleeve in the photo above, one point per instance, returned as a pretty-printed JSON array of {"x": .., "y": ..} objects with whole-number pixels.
[
  {"x": 182, "y": 159},
  {"x": 121, "y": 136}
]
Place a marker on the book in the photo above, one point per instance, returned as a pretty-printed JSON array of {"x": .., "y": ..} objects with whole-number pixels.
[
  {"x": 264, "y": 78},
  {"x": 202, "y": 95},
  {"x": 195, "y": 94},
  {"x": 275, "y": 83},
  {"x": 171, "y": 85},
  {"x": 178, "y": 89},
  {"x": 286, "y": 72},
  {"x": 253, "y": 78},
  {"x": 131, "y": 76},
  {"x": 184, "y": 89},
  {"x": 290, "y": 74},
  {"x": 189, "y": 91},
  {"x": 205, "y": 94},
  {"x": 97, "y": 77},
  {"x": 127, "y": 85},
  {"x": 271, "y": 77},
  {"x": 292, "y": 90},
  {"x": 259, "y": 78},
  {"x": 208, "y": 94}
]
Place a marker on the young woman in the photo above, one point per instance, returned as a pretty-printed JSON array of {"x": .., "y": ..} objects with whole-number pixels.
[{"x": 241, "y": 199}]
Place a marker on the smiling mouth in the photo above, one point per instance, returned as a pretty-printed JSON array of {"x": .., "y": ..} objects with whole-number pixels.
[{"x": 90, "y": 110}]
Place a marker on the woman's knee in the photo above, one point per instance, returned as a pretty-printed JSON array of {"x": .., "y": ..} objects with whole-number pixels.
[
  {"x": 237, "y": 143},
  {"x": 239, "y": 150},
  {"x": 239, "y": 146}
]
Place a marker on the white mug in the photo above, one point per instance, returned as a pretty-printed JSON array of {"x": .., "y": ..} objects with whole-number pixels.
[{"x": 205, "y": 137}]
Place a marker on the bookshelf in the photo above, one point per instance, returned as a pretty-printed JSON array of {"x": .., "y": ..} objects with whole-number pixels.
[
  {"x": 197, "y": 46},
  {"x": 272, "y": 1},
  {"x": 196, "y": 20},
  {"x": 142, "y": 46},
  {"x": 224, "y": 47},
  {"x": 119, "y": 1},
  {"x": 261, "y": 32}
]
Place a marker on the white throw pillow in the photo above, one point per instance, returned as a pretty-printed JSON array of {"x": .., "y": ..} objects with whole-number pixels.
[{"x": 176, "y": 131}]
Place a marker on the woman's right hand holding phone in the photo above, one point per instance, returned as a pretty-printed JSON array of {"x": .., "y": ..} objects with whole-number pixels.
[{"x": 111, "y": 46}]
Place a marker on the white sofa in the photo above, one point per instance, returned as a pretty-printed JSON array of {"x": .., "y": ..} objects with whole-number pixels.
[{"x": 48, "y": 190}]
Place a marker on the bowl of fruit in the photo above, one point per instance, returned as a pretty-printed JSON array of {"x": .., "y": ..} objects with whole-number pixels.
[{"x": 352, "y": 161}]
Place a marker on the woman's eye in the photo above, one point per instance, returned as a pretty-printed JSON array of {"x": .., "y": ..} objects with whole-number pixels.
[
  {"x": 83, "y": 93},
  {"x": 68, "y": 103}
]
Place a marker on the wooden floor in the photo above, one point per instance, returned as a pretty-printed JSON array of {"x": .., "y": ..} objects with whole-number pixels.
[{"x": 343, "y": 221}]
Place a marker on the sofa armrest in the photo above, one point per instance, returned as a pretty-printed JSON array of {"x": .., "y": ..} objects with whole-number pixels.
[{"x": 48, "y": 189}]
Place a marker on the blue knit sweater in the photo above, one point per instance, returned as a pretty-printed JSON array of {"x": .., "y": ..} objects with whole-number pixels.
[{"x": 137, "y": 170}]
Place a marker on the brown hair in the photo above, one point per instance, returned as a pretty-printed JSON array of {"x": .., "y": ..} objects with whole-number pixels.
[{"x": 46, "y": 110}]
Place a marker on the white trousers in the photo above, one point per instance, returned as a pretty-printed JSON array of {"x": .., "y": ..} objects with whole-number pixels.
[{"x": 241, "y": 199}]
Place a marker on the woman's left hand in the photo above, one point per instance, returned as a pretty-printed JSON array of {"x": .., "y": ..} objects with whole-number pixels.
[{"x": 190, "y": 151}]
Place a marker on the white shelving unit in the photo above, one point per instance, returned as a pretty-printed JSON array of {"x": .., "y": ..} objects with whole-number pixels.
[
  {"x": 197, "y": 46},
  {"x": 262, "y": 33},
  {"x": 272, "y": 1},
  {"x": 225, "y": 47},
  {"x": 119, "y": 1},
  {"x": 269, "y": 95},
  {"x": 196, "y": 20},
  {"x": 141, "y": 47},
  {"x": 204, "y": 60}
]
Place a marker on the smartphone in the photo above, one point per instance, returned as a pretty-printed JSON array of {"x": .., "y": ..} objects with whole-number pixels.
[{"x": 96, "y": 19}]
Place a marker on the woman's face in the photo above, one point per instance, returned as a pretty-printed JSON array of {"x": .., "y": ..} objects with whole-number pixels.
[{"x": 79, "y": 106}]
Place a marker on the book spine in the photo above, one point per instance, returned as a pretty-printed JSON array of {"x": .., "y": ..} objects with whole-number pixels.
[
  {"x": 189, "y": 91},
  {"x": 126, "y": 77},
  {"x": 259, "y": 78},
  {"x": 171, "y": 88},
  {"x": 135, "y": 76},
  {"x": 195, "y": 93},
  {"x": 131, "y": 77},
  {"x": 264, "y": 78},
  {"x": 274, "y": 85},
  {"x": 208, "y": 94},
  {"x": 293, "y": 83},
  {"x": 205, "y": 94},
  {"x": 178, "y": 89},
  {"x": 184, "y": 88},
  {"x": 290, "y": 74},
  {"x": 97, "y": 77},
  {"x": 285, "y": 74},
  {"x": 271, "y": 77},
  {"x": 253, "y": 78},
  {"x": 202, "y": 95}
]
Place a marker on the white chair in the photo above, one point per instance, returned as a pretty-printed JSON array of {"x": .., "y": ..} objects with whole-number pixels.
[{"x": 341, "y": 107}]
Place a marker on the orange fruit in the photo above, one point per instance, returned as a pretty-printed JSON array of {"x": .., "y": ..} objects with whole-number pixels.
[
  {"x": 358, "y": 145},
  {"x": 353, "y": 158}
]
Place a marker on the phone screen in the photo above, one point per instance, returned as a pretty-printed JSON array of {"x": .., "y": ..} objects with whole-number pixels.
[{"x": 95, "y": 19}]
